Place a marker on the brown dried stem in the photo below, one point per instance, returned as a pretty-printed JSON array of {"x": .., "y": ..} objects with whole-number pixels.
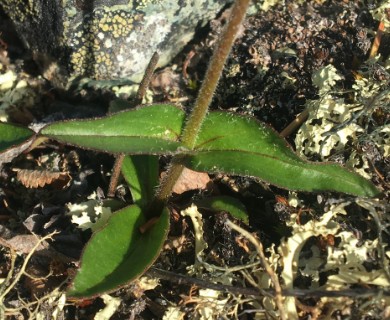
[{"x": 296, "y": 123}]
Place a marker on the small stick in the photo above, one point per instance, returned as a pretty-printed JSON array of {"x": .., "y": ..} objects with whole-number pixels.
[
  {"x": 377, "y": 40},
  {"x": 182, "y": 279},
  {"x": 146, "y": 79},
  {"x": 116, "y": 171},
  {"x": 295, "y": 123},
  {"x": 187, "y": 61}
]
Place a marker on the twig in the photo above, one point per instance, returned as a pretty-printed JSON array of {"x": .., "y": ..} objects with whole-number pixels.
[
  {"x": 6, "y": 287},
  {"x": 5, "y": 291},
  {"x": 371, "y": 206},
  {"x": 181, "y": 279},
  {"x": 295, "y": 123},
  {"x": 377, "y": 40},
  {"x": 7, "y": 280},
  {"x": 146, "y": 78},
  {"x": 274, "y": 278},
  {"x": 116, "y": 171},
  {"x": 365, "y": 110}
]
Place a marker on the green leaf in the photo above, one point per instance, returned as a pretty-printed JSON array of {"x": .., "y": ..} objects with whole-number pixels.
[
  {"x": 153, "y": 129},
  {"x": 225, "y": 203},
  {"x": 12, "y": 135},
  {"x": 141, "y": 174},
  {"x": 239, "y": 145},
  {"x": 119, "y": 253}
]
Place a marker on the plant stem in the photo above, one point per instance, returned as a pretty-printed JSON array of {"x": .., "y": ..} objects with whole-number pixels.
[
  {"x": 214, "y": 71},
  {"x": 116, "y": 171},
  {"x": 295, "y": 124},
  {"x": 169, "y": 181}
]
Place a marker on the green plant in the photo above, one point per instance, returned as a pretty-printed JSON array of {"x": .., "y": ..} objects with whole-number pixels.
[{"x": 216, "y": 142}]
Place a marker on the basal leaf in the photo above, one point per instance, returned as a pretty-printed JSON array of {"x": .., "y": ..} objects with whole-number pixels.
[
  {"x": 240, "y": 145},
  {"x": 119, "y": 253},
  {"x": 141, "y": 174},
  {"x": 224, "y": 203},
  {"x": 12, "y": 135},
  {"x": 152, "y": 129}
]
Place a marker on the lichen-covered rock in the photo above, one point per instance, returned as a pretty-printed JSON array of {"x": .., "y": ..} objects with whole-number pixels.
[{"x": 106, "y": 39}]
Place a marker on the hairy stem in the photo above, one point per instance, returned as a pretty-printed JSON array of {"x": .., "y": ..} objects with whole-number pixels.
[
  {"x": 195, "y": 120},
  {"x": 116, "y": 171},
  {"x": 213, "y": 73}
]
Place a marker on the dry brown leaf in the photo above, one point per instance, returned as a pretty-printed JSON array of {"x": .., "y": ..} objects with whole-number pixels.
[
  {"x": 191, "y": 180},
  {"x": 24, "y": 243},
  {"x": 40, "y": 178}
]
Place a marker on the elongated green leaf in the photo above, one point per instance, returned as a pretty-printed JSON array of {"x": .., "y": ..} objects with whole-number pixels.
[
  {"x": 141, "y": 174},
  {"x": 119, "y": 253},
  {"x": 243, "y": 146},
  {"x": 225, "y": 203},
  {"x": 153, "y": 129},
  {"x": 12, "y": 135}
]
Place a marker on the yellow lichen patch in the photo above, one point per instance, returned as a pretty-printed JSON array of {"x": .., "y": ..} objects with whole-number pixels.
[
  {"x": 19, "y": 11},
  {"x": 93, "y": 42}
]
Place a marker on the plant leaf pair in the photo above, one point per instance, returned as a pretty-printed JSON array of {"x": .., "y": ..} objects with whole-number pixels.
[{"x": 227, "y": 143}]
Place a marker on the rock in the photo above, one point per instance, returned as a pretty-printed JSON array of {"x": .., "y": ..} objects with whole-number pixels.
[{"x": 106, "y": 39}]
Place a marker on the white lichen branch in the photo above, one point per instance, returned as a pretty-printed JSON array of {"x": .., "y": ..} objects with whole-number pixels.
[{"x": 273, "y": 276}]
